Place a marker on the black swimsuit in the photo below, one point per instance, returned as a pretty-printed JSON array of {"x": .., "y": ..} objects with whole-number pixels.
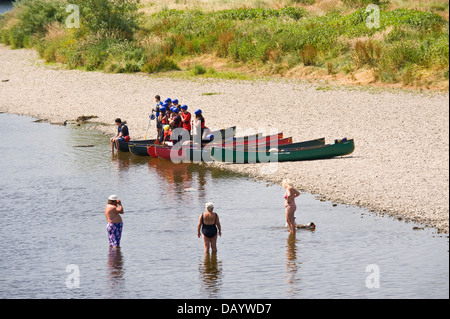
[{"x": 209, "y": 231}]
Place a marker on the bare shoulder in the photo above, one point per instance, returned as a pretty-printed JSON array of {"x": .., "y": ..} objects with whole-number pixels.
[{"x": 110, "y": 208}]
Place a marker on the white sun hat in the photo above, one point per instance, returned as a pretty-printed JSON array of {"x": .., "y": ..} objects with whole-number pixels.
[{"x": 113, "y": 197}]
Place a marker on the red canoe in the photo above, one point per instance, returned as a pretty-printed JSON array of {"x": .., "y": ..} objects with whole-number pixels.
[
  {"x": 164, "y": 152},
  {"x": 151, "y": 150}
]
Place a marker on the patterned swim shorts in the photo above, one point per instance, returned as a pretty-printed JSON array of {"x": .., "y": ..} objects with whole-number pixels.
[{"x": 114, "y": 234}]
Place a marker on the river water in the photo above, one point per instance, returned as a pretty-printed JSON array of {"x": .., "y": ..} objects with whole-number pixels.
[
  {"x": 54, "y": 243},
  {"x": 5, "y": 6}
]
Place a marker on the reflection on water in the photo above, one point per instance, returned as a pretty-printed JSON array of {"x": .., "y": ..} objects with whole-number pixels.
[
  {"x": 211, "y": 275},
  {"x": 115, "y": 268},
  {"x": 292, "y": 266},
  {"x": 161, "y": 256},
  {"x": 5, "y": 7}
]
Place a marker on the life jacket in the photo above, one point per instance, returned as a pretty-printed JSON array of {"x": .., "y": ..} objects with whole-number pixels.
[
  {"x": 180, "y": 123},
  {"x": 164, "y": 119},
  {"x": 186, "y": 119},
  {"x": 167, "y": 134},
  {"x": 124, "y": 130}
]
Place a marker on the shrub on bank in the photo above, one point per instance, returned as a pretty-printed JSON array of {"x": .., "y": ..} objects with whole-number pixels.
[{"x": 116, "y": 38}]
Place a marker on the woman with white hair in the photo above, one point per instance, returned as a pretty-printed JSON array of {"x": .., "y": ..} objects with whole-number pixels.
[
  {"x": 289, "y": 196},
  {"x": 209, "y": 225}
]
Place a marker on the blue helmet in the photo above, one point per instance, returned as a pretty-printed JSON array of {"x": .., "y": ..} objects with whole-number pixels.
[
  {"x": 168, "y": 101},
  {"x": 184, "y": 107},
  {"x": 175, "y": 110},
  {"x": 198, "y": 111},
  {"x": 162, "y": 109},
  {"x": 175, "y": 101}
]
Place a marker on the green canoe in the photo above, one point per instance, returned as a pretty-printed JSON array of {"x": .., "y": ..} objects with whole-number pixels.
[
  {"x": 204, "y": 155},
  {"x": 237, "y": 155}
]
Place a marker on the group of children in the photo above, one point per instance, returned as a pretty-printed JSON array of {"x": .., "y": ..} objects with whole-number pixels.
[{"x": 170, "y": 115}]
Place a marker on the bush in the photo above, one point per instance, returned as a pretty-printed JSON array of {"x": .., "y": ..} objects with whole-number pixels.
[
  {"x": 259, "y": 13},
  {"x": 160, "y": 64},
  {"x": 199, "y": 70},
  {"x": 309, "y": 55},
  {"x": 366, "y": 53},
  {"x": 125, "y": 57},
  {"x": 120, "y": 16},
  {"x": 361, "y": 3},
  {"x": 30, "y": 19}
]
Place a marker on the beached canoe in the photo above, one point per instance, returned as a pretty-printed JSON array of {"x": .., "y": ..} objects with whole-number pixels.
[
  {"x": 123, "y": 146},
  {"x": 202, "y": 154},
  {"x": 166, "y": 153},
  {"x": 235, "y": 155},
  {"x": 197, "y": 154},
  {"x": 150, "y": 148},
  {"x": 282, "y": 144},
  {"x": 248, "y": 140},
  {"x": 140, "y": 147}
]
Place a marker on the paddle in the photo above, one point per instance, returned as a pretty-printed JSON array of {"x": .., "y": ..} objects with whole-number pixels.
[{"x": 152, "y": 117}]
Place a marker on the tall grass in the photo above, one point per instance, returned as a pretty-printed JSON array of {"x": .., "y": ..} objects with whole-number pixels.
[{"x": 115, "y": 37}]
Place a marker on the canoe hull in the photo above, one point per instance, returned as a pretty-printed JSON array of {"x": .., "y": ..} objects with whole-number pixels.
[
  {"x": 197, "y": 155},
  {"x": 151, "y": 150},
  {"x": 168, "y": 153},
  {"x": 288, "y": 155},
  {"x": 140, "y": 147},
  {"x": 123, "y": 146}
]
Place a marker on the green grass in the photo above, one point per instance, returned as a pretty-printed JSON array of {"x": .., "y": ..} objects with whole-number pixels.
[{"x": 115, "y": 37}]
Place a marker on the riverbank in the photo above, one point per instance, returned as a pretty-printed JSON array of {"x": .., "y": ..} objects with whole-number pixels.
[
  {"x": 400, "y": 166},
  {"x": 404, "y": 48}
]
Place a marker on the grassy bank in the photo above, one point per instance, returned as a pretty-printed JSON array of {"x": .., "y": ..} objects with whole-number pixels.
[{"x": 409, "y": 47}]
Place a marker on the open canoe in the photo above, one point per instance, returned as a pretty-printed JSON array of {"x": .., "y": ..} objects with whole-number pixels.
[
  {"x": 197, "y": 154},
  {"x": 235, "y": 155},
  {"x": 123, "y": 146},
  {"x": 249, "y": 140},
  {"x": 140, "y": 147},
  {"x": 164, "y": 152},
  {"x": 202, "y": 154},
  {"x": 150, "y": 149}
]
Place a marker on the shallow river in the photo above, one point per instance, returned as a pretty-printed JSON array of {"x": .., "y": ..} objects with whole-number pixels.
[
  {"x": 5, "y": 7},
  {"x": 54, "y": 244}
]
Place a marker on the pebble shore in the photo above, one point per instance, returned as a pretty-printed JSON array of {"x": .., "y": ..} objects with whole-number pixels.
[{"x": 400, "y": 166}]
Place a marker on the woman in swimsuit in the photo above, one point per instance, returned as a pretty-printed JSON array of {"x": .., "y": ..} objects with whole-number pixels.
[
  {"x": 291, "y": 194},
  {"x": 209, "y": 225}
]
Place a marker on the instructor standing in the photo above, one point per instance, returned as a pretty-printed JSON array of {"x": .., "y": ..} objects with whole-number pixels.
[{"x": 113, "y": 210}]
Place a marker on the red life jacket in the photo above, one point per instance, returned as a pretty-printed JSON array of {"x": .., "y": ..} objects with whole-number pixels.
[
  {"x": 186, "y": 119},
  {"x": 203, "y": 122}
]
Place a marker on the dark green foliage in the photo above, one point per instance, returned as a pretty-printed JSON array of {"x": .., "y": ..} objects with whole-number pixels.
[
  {"x": 113, "y": 37},
  {"x": 119, "y": 16}
]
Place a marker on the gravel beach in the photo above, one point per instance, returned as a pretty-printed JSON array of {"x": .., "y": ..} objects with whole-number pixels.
[{"x": 400, "y": 166}]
